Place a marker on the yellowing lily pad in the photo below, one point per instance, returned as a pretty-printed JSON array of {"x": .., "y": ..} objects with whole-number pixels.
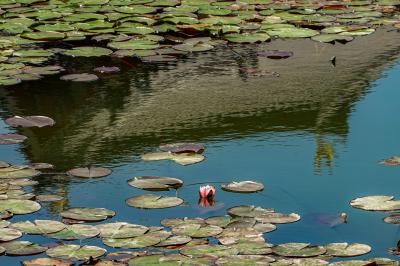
[
  {"x": 9, "y": 234},
  {"x": 22, "y": 248},
  {"x": 376, "y": 203}
]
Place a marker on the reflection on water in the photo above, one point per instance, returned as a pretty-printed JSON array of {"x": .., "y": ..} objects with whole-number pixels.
[{"x": 285, "y": 131}]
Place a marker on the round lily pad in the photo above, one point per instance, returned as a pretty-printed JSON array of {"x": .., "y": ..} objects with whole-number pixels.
[
  {"x": 171, "y": 222},
  {"x": 231, "y": 236},
  {"x": 210, "y": 250},
  {"x": 90, "y": 172},
  {"x": 121, "y": 230},
  {"x": 11, "y": 138},
  {"x": 87, "y": 214},
  {"x": 29, "y": 121},
  {"x": 39, "y": 226},
  {"x": 248, "y": 211},
  {"x": 154, "y": 183},
  {"x": 220, "y": 221},
  {"x": 392, "y": 161},
  {"x": 13, "y": 172},
  {"x": 88, "y": 51},
  {"x": 48, "y": 198},
  {"x": 174, "y": 241},
  {"x": 298, "y": 250},
  {"x": 247, "y": 37},
  {"x": 292, "y": 32},
  {"x": 183, "y": 147},
  {"x": 76, "y": 231},
  {"x": 43, "y": 35},
  {"x": 9, "y": 234},
  {"x": 243, "y": 187},
  {"x": 22, "y": 248},
  {"x": 332, "y": 38},
  {"x": 278, "y": 218},
  {"x": 150, "y": 201},
  {"x": 4, "y": 223},
  {"x": 22, "y": 182},
  {"x": 83, "y": 77},
  {"x": 19, "y": 206},
  {"x": 347, "y": 250},
  {"x": 180, "y": 158},
  {"x": 146, "y": 240},
  {"x": 45, "y": 262},
  {"x": 239, "y": 260},
  {"x": 196, "y": 230},
  {"x": 376, "y": 203},
  {"x": 75, "y": 252}
]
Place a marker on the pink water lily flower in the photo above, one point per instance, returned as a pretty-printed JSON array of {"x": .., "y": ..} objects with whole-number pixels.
[{"x": 206, "y": 191}]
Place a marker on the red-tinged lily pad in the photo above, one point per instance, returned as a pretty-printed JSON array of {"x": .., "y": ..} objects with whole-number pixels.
[
  {"x": 243, "y": 187},
  {"x": 83, "y": 77},
  {"x": 155, "y": 183},
  {"x": 45, "y": 262},
  {"x": 392, "y": 161},
  {"x": 22, "y": 248},
  {"x": 30, "y": 121},
  {"x": 183, "y": 148},
  {"x": 275, "y": 54},
  {"x": 11, "y": 138},
  {"x": 151, "y": 201},
  {"x": 107, "y": 70},
  {"x": 90, "y": 172}
]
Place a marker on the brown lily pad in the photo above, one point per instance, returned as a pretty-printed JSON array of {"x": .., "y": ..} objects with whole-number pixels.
[
  {"x": 107, "y": 70},
  {"x": 83, "y": 77},
  {"x": 275, "y": 54},
  {"x": 45, "y": 262}
]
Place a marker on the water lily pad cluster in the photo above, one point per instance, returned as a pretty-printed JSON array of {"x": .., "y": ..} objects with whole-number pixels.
[
  {"x": 162, "y": 30},
  {"x": 181, "y": 153}
]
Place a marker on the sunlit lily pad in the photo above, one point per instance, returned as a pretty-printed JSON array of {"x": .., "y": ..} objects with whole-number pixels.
[
  {"x": 392, "y": 219},
  {"x": 121, "y": 230},
  {"x": 278, "y": 218},
  {"x": 90, "y": 172},
  {"x": 134, "y": 44},
  {"x": 76, "y": 231},
  {"x": 197, "y": 230},
  {"x": 8, "y": 81},
  {"x": 232, "y": 236},
  {"x": 210, "y": 250},
  {"x": 9, "y": 234},
  {"x": 45, "y": 262},
  {"x": 22, "y": 248},
  {"x": 183, "y": 148},
  {"x": 29, "y": 121},
  {"x": 174, "y": 241},
  {"x": 220, "y": 221},
  {"x": 239, "y": 260},
  {"x": 154, "y": 183},
  {"x": 87, "y": 214},
  {"x": 11, "y": 138},
  {"x": 88, "y": 51},
  {"x": 151, "y": 201},
  {"x": 146, "y": 240},
  {"x": 39, "y": 226},
  {"x": 392, "y": 161},
  {"x": 18, "y": 206},
  {"x": 75, "y": 252},
  {"x": 350, "y": 263},
  {"x": 48, "y": 198},
  {"x": 172, "y": 222},
  {"x": 243, "y": 187},
  {"x": 298, "y": 250},
  {"x": 252, "y": 247},
  {"x": 4, "y": 223},
  {"x": 83, "y": 77},
  {"x": 13, "y": 172},
  {"x": 40, "y": 166},
  {"x": 180, "y": 158},
  {"x": 247, "y": 37},
  {"x": 248, "y": 211},
  {"x": 376, "y": 203},
  {"x": 347, "y": 250}
]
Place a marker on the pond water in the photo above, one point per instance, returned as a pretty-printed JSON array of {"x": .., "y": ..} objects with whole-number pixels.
[{"x": 312, "y": 136}]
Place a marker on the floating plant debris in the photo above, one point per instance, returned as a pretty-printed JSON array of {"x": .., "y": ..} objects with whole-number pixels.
[
  {"x": 90, "y": 172},
  {"x": 29, "y": 121},
  {"x": 243, "y": 187},
  {"x": 376, "y": 203},
  {"x": 154, "y": 183}
]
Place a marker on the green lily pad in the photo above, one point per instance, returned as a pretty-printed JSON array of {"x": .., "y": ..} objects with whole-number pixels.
[
  {"x": 9, "y": 234},
  {"x": 19, "y": 206},
  {"x": 292, "y": 32},
  {"x": 87, "y": 214},
  {"x": 347, "y": 250},
  {"x": 252, "y": 247},
  {"x": 121, "y": 230},
  {"x": 361, "y": 32},
  {"x": 75, "y": 252},
  {"x": 350, "y": 263},
  {"x": 172, "y": 222},
  {"x": 22, "y": 248},
  {"x": 76, "y": 231},
  {"x": 239, "y": 260},
  {"x": 32, "y": 53},
  {"x": 230, "y": 236},
  {"x": 146, "y": 240},
  {"x": 220, "y": 221},
  {"x": 43, "y": 35},
  {"x": 298, "y": 250},
  {"x": 198, "y": 47},
  {"x": 196, "y": 230},
  {"x": 151, "y": 260},
  {"x": 248, "y": 211},
  {"x": 90, "y": 172},
  {"x": 136, "y": 9},
  {"x": 151, "y": 201},
  {"x": 29, "y": 121},
  {"x": 376, "y": 203},
  {"x": 174, "y": 241},
  {"x": 39, "y": 227},
  {"x": 13, "y": 172},
  {"x": 332, "y": 38},
  {"x": 88, "y": 51},
  {"x": 243, "y": 187},
  {"x": 46, "y": 70},
  {"x": 180, "y": 158},
  {"x": 8, "y": 81},
  {"x": 155, "y": 183},
  {"x": 210, "y": 250},
  {"x": 247, "y": 37},
  {"x": 134, "y": 44}
]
